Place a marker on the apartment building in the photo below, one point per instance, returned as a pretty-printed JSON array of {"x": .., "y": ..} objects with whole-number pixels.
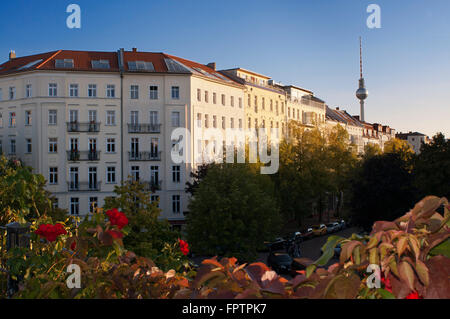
[
  {"x": 415, "y": 139},
  {"x": 264, "y": 102},
  {"x": 89, "y": 120}
]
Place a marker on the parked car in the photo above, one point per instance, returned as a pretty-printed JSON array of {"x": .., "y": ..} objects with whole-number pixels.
[
  {"x": 332, "y": 227},
  {"x": 278, "y": 244},
  {"x": 308, "y": 234},
  {"x": 295, "y": 236},
  {"x": 319, "y": 230},
  {"x": 280, "y": 262}
]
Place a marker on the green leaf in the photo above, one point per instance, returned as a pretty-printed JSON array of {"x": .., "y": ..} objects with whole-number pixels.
[
  {"x": 310, "y": 269},
  {"x": 441, "y": 249},
  {"x": 385, "y": 294}
]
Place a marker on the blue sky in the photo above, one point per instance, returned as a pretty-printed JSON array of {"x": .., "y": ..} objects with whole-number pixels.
[{"x": 309, "y": 43}]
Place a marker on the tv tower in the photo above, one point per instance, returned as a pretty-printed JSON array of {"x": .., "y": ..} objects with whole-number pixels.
[{"x": 362, "y": 92}]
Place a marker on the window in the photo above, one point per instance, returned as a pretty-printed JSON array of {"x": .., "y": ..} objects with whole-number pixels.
[
  {"x": 206, "y": 97},
  {"x": 263, "y": 104},
  {"x": 92, "y": 90},
  {"x": 153, "y": 92},
  {"x": 249, "y": 100},
  {"x": 73, "y": 116},
  {"x": 28, "y": 118},
  {"x": 249, "y": 122},
  {"x": 154, "y": 118},
  {"x": 223, "y": 122},
  {"x": 55, "y": 203},
  {"x": 53, "y": 175},
  {"x": 223, "y": 99},
  {"x": 134, "y": 117},
  {"x": 92, "y": 178},
  {"x": 29, "y": 145},
  {"x": 154, "y": 174},
  {"x": 100, "y": 64},
  {"x": 12, "y": 119},
  {"x": 240, "y": 123},
  {"x": 199, "y": 119},
  {"x": 110, "y": 145},
  {"x": 154, "y": 147},
  {"x": 240, "y": 102},
  {"x": 232, "y": 123},
  {"x": 52, "y": 89},
  {"x": 53, "y": 145},
  {"x": 12, "y": 92},
  {"x": 73, "y": 90},
  {"x": 232, "y": 100},
  {"x": 52, "y": 117},
  {"x": 64, "y": 63},
  {"x": 74, "y": 144},
  {"x": 176, "y": 119},
  {"x": 134, "y": 148},
  {"x": 1, "y": 120},
  {"x": 155, "y": 198},
  {"x": 214, "y": 120},
  {"x": 135, "y": 173},
  {"x": 176, "y": 174},
  {"x": 74, "y": 206},
  {"x": 175, "y": 92},
  {"x": 199, "y": 95},
  {"x": 12, "y": 146},
  {"x": 92, "y": 116},
  {"x": 214, "y": 98},
  {"x": 28, "y": 91},
  {"x": 93, "y": 204},
  {"x": 176, "y": 204},
  {"x": 134, "y": 92},
  {"x": 110, "y": 90},
  {"x": 73, "y": 178},
  {"x": 110, "y": 117},
  {"x": 206, "y": 120},
  {"x": 111, "y": 174}
]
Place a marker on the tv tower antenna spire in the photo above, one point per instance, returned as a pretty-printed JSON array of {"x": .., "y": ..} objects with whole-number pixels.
[{"x": 362, "y": 92}]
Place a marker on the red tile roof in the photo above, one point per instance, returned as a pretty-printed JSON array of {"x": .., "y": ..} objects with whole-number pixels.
[{"x": 82, "y": 61}]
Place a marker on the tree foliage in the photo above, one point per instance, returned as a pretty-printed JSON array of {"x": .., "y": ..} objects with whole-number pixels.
[
  {"x": 149, "y": 233},
  {"x": 233, "y": 211},
  {"x": 382, "y": 188},
  {"x": 432, "y": 167}
]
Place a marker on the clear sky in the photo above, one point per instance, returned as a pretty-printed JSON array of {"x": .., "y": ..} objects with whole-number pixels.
[{"x": 310, "y": 43}]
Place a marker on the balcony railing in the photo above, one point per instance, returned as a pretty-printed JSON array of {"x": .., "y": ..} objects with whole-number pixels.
[
  {"x": 144, "y": 156},
  {"x": 153, "y": 185},
  {"x": 75, "y": 156},
  {"x": 83, "y": 127},
  {"x": 83, "y": 186},
  {"x": 144, "y": 128}
]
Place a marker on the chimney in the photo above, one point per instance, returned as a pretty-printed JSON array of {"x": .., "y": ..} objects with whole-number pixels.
[
  {"x": 212, "y": 65},
  {"x": 337, "y": 108},
  {"x": 134, "y": 49},
  {"x": 356, "y": 117},
  {"x": 12, "y": 55}
]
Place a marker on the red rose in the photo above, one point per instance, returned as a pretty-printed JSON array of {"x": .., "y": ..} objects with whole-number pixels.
[
  {"x": 184, "y": 247},
  {"x": 50, "y": 232},
  {"x": 386, "y": 282},
  {"x": 117, "y": 218},
  {"x": 115, "y": 233}
]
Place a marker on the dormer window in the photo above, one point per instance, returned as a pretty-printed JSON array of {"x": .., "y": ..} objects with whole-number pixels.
[
  {"x": 64, "y": 63},
  {"x": 140, "y": 66},
  {"x": 100, "y": 64}
]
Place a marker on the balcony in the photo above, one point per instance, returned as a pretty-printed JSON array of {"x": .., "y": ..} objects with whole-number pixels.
[
  {"x": 144, "y": 156},
  {"x": 83, "y": 186},
  {"x": 75, "y": 156},
  {"x": 153, "y": 186},
  {"x": 91, "y": 127},
  {"x": 144, "y": 128}
]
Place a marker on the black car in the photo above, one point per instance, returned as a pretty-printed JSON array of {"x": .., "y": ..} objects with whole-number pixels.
[
  {"x": 280, "y": 262},
  {"x": 278, "y": 244}
]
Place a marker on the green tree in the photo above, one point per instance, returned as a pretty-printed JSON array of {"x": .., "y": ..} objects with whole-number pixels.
[
  {"x": 381, "y": 189},
  {"x": 401, "y": 147},
  {"x": 233, "y": 211},
  {"x": 149, "y": 234},
  {"x": 371, "y": 149},
  {"x": 432, "y": 168},
  {"x": 23, "y": 196}
]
